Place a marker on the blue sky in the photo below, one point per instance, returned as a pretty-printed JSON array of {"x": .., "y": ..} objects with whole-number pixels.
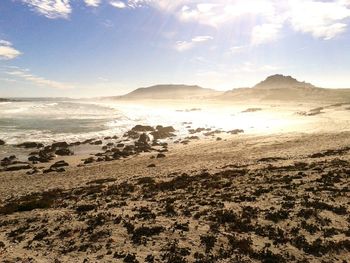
[{"x": 85, "y": 48}]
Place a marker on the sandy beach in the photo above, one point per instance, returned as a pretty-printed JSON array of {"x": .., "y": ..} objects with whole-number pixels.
[{"x": 271, "y": 198}]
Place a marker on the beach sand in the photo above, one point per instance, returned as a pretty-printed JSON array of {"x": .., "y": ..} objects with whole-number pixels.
[{"x": 245, "y": 198}]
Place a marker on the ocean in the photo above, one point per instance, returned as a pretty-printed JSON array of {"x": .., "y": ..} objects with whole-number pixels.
[{"x": 47, "y": 121}]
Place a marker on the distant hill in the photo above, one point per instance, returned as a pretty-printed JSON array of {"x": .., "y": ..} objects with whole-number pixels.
[
  {"x": 282, "y": 82},
  {"x": 169, "y": 92},
  {"x": 286, "y": 88}
]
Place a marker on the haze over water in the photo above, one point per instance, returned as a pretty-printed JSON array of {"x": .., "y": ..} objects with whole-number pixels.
[{"x": 48, "y": 121}]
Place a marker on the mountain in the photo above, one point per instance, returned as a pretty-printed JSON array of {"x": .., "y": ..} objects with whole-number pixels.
[
  {"x": 286, "y": 88},
  {"x": 282, "y": 82},
  {"x": 169, "y": 92}
]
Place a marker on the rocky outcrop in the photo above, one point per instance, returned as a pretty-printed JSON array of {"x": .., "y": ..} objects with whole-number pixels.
[
  {"x": 44, "y": 156},
  {"x": 142, "y": 128},
  {"x": 163, "y": 132}
]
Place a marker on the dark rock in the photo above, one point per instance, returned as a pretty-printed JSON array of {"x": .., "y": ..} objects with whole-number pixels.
[
  {"x": 144, "y": 138},
  {"x": 162, "y": 135},
  {"x": 28, "y": 145},
  {"x": 33, "y": 171},
  {"x": 142, "y": 128},
  {"x": 120, "y": 145},
  {"x": 198, "y": 130},
  {"x": 236, "y": 131},
  {"x": 210, "y": 133},
  {"x": 59, "y": 145},
  {"x": 98, "y": 142},
  {"x": 64, "y": 152},
  {"x": 129, "y": 148},
  {"x": 2, "y": 142},
  {"x": 89, "y": 160},
  {"x": 43, "y": 156},
  {"x": 131, "y": 134},
  {"x": 160, "y": 128},
  {"x": 151, "y": 165},
  {"x": 88, "y": 141},
  {"x": 59, "y": 164},
  {"x": 8, "y": 160},
  {"x": 160, "y": 155},
  {"x": 17, "y": 167}
]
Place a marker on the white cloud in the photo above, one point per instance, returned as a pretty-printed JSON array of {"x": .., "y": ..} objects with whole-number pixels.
[
  {"x": 187, "y": 45},
  {"x": 320, "y": 19},
  {"x": 201, "y": 38},
  {"x": 265, "y": 33},
  {"x": 118, "y": 4},
  {"x": 51, "y": 8},
  {"x": 40, "y": 81},
  {"x": 93, "y": 3},
  {"x": 8, "y": 52},
  {"x": 238, "y": 49}
]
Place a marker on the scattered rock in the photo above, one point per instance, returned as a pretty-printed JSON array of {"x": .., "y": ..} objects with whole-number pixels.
[
  {"x": 142, "y": 128},
  {"x": 157, "y": 135},
  {"x": 98, "y": 142},
  {"x": 43, "y": 156},
  {"x": 131, "y": 134},
  {"x": 198, "y": 130},
  {"x": 28, "y": 145},
  {"x": 33, "y": 171},
  {"x": 160, "y": 155},
  {"x": 236, "y": 131},
  {"x": 59, "y": 164},
  {"x": 160, "y": 128},
  {"x": 17, "y": 167},
  {"x": 59, "y": 145},
  {"x": 89, "y": 160},
  {"x": 8, "y": 160},
  {"x": 144, "y": 138},
  {"x": 252, "y": 110},
  {"x": 64, "y": 152}
]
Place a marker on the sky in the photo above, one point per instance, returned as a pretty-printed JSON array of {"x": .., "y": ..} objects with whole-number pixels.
[{"x": 87, "y": 48}]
